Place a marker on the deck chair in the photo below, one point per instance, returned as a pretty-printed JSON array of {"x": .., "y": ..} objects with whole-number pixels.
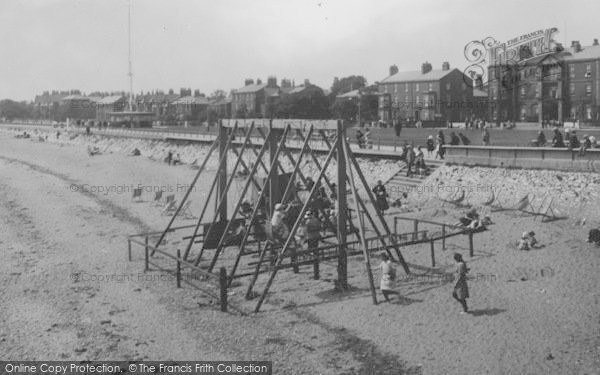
[
  {"x": 457, "y": 200},
  {"x": 185, "y": 210},
  {"x": 158, "y": 198},
  {"x": 137, "y": 193},
  {"x": 169, "y": 208},
  {"x": 546, "y": 211},
  {"x": 524, "y": 204}
]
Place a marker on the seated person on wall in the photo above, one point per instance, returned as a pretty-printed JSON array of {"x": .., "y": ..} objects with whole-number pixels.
[
  {"x": 465, "y": 141},
  {"x": 557, "y": 139},
  {"x": 541, "y": 139},
  {"x": 454, "y": 140}
]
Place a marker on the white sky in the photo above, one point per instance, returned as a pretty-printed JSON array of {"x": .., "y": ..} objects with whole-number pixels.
[{"x": 208, "y": 45}]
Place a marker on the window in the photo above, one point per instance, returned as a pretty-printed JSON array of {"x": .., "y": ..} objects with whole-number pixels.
[
  {"x": 396, "y": 87},
  {"x": 385, "y": 89},
  {"x": 416, "y": 87},
  {"x": 537, "y": 91},
  {"x": 418, "y": 99},
  {"x": 522, "y": 92},
  {"x": 448, "y": 86},
  {"x": 406, "y": 99},
  {"x": 464, "y": 86},
  {"x": 588, "y": 70},
  {"x": 448, "y": 100},
  {"x": 588, "y": 112},
  {"x": 406, "y": 87},
  {"x": 588, "y": 89},
  {"x": 431, "y": 87},
  {"x": 572, "y": 71},
  {"x": 572, "y": 89}
]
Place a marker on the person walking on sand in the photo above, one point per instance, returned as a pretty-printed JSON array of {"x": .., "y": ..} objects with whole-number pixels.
[
  {"x": 461, "y": 289},
  {"x": 388, "y": 277}
]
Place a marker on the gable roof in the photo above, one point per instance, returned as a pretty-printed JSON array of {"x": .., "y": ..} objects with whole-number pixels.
[
  {"x": 199, "y": 100},
  {"x": 586, "y": 53},
  {"x": 251, "y": 88},
  {"x": 350, "y": 94},
  {"x": 110, "y": 99},
  {"x": 417, "y": 76}
]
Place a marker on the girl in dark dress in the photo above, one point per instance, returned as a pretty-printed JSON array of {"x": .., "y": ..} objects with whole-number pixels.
[{"x": 381, "y": 197}]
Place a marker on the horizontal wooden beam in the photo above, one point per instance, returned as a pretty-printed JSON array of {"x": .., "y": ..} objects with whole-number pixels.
[{"x": 282, "y": 123}]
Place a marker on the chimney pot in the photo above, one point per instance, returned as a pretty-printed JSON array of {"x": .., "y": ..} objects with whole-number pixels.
[
  {"x": 595, "y": 42},
  {"x": 248, "y": 82},
  {"x": 393, "y": 69},
  {"x": 445, "y": 65}
]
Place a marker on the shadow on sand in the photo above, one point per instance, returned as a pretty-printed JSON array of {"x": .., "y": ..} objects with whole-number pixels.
[{"x": 488, "y": 312}]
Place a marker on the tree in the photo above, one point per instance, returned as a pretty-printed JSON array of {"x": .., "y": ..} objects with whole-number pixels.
[
  {"x": 310, "y": 103},
  {"x": 11, "y": 110},
  {"x": 346, "y": 84},
  {"x": 218, "y": 95}
]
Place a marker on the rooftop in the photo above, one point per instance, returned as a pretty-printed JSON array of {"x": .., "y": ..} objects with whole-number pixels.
[
  {"x": 417, "y": 76},
  {"x": 251, "y": 88}
]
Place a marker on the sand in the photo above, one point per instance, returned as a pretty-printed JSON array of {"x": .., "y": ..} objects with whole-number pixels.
[{"x": 68, "y": 291}]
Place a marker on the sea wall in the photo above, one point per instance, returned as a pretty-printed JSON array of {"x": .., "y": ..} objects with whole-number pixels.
[{"x": 560, "y": 159}]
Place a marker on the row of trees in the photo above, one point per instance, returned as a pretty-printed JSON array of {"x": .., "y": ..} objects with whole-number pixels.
[{"x": 311, "y": 103}]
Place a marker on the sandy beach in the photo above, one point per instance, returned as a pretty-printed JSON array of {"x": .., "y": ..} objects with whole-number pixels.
[{"x": 65, "y": 217}]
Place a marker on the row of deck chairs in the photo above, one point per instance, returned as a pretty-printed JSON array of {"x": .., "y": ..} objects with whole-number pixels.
[
  {"x": 167, "y": 203},
  {"x": 545, "y": 209}
]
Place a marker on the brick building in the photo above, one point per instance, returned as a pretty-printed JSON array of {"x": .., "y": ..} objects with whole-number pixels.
[
  {"x": 561, "y": 84},
  {"x": 255, "y": 99},
  {"x": 428, "y": 95}
]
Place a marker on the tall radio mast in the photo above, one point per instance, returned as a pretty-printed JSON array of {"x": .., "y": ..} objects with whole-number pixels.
[{"x": 130, "y": 74}]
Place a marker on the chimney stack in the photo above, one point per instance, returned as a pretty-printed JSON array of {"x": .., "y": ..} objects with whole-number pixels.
[
  {"x": 272, "y": 81},
  {"x": 258, "y": 81},
  {"x": 445, "y": 65},
  {"x": 426, "y": 68},
  {"x": 248, "y": 82},
  {"x": 393, "y": 69},
  {"x": 576, "y": 46},
  {"x": 306, "y": 82},
  {"x": 595, "y": 42}
]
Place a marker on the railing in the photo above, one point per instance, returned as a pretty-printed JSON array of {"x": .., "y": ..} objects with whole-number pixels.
[{"x": 181, "y": 263}]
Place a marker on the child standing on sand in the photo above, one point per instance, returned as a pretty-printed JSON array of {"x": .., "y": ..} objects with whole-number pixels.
[
  {"x": 461, "y": 289},
  {"x": 388, "y": 276}
]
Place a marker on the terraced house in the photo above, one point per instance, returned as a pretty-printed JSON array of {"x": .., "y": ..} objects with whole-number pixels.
[{"x": 427, "y": 95}]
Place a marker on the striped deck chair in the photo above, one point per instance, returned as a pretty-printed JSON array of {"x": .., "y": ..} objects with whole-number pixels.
[
  {"x": 169, "y": 208},
  {"x": 185, "y": 211},
  {"x": 158, "y": 198}
]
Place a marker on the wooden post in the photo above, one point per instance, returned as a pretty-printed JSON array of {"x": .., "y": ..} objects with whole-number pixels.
[
  {"x": 361, "y": 226},
  {"x": 315, "y": 244},
  {"x": 471, "y": 244},
  {"x": 178, "y": 268},
  {"x": 378, "y": 143},
  {"x": 443, "y": 236},
  {"x": 395, "y": 225},
  {"x": 129, "y": 249},
  {"x": 395, "y": 141},
  {"x": 146, "y": 255},
  {"x": 416, "y": 230},
  {"x": 432, "y": 254},
  {"x": 222, "y": 174},
  {"x": 342, "y": 220},
  {"x": 223, "y": 285}
]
